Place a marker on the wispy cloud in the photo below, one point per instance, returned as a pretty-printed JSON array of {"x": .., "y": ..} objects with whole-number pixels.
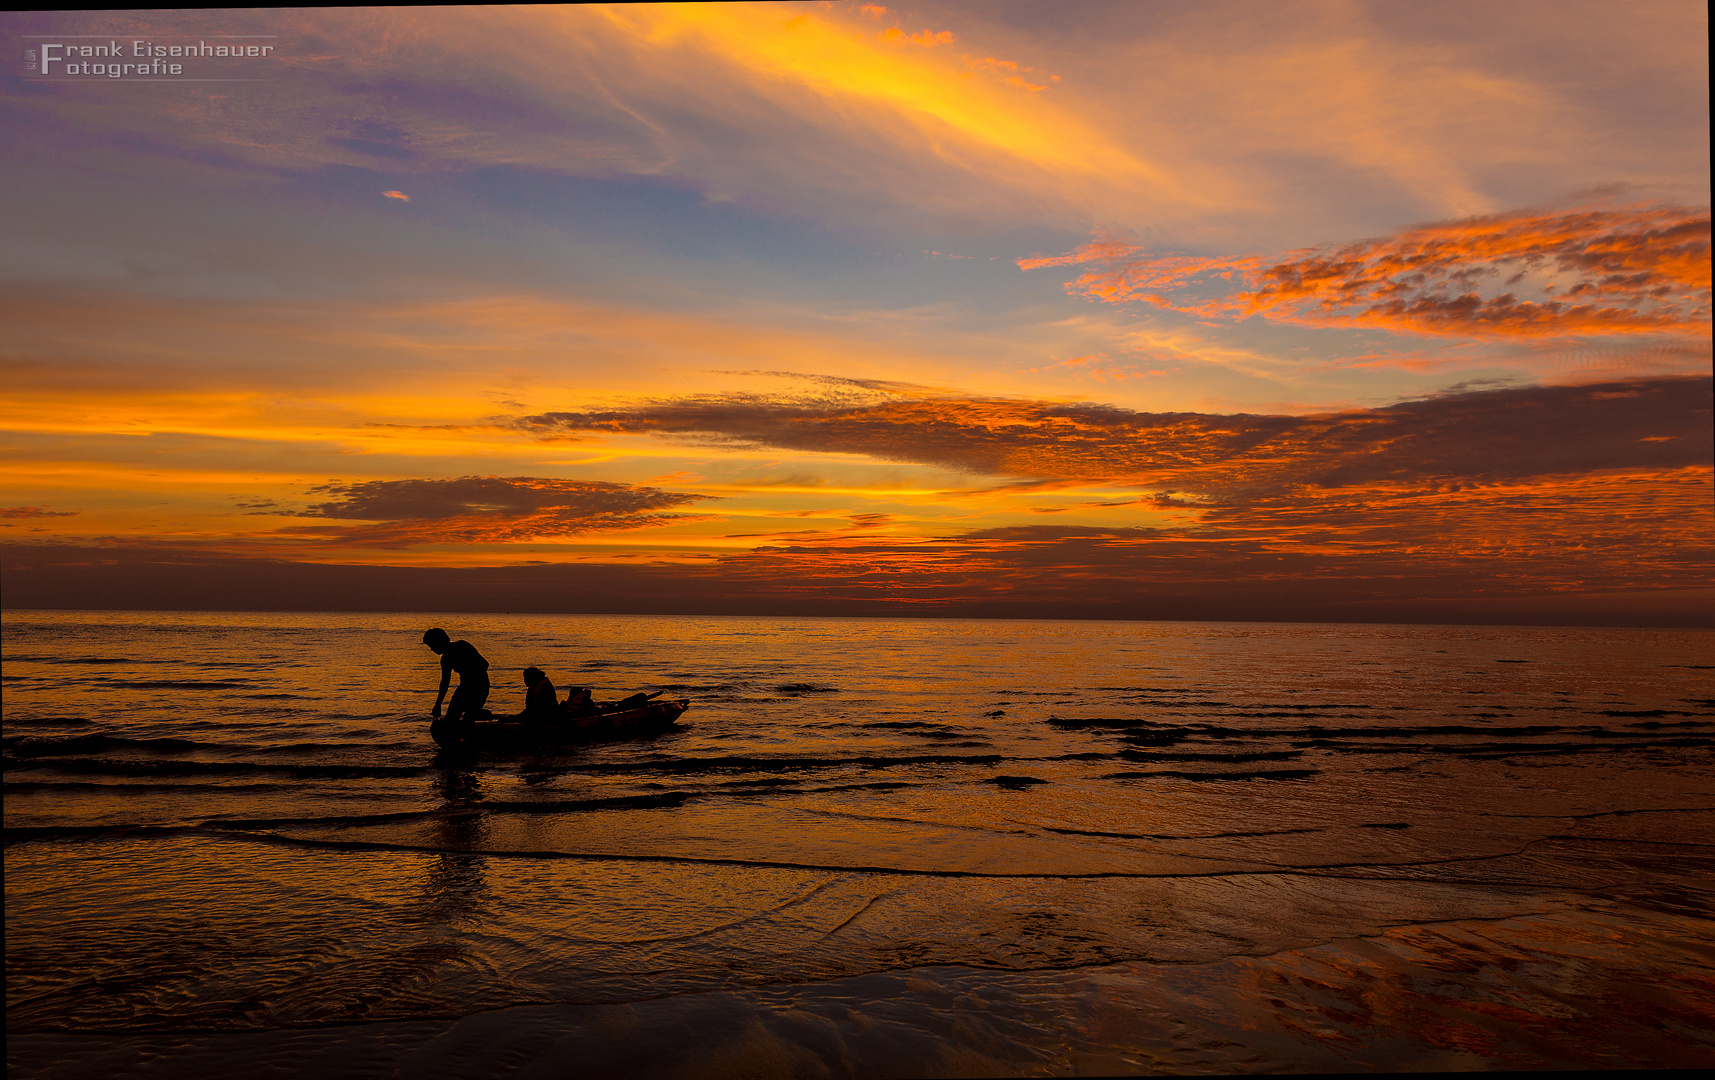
[
  {"x": 820, "y": 55},
  {"x": 1190, "y": 121}
]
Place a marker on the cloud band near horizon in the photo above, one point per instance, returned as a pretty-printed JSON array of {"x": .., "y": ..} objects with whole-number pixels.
[
  {"x": 486, "y": 510},
  {"x": 1499, "y": 433},
  {"x": 1524, "y": 493}
]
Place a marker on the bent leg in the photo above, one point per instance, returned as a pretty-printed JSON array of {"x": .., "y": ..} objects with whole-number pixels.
[{"x": 467, "y": 701}]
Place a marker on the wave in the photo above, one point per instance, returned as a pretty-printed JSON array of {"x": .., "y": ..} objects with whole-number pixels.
[
  {"x": 227, "y": 826},
  {"x": 895, "y": 724},
  {"x": 314, "y": 747},
  {"x": 662, "y": 801},
  {"x": 1173, "y": 836},
  {"x": 1265, "y": 755},
  {"x": 675, "y": 767},
  {"x": 1182, "y": 704},
  {"x": 1485, "y": 752},
  {"x": 180, "y": 684},
  {"x": 1145, "y": 689},
  {"x": 693, "y": 860},
  {"x": 1145, "y": 739},
  {"x": 79, "y": 659},
  {"x": 21, "y": 787},
  {"x": 1261, "y": 774},
  {"x": 179, "y": 767},
  {"x": 1014, "y": 783},
  {"x": 21, "y": 834},
  {"x": 31, "y": 746},
  {"x": 1292, "y": 715},
  {"x": 745, "y": 763},
  {"x": 1136, "y": 730},
  {"x": 665, "y": 800},
  {"x": 1648, "y": 712}
]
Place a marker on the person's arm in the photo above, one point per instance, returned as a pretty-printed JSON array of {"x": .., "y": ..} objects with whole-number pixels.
[{"x": 446, "y": 679}]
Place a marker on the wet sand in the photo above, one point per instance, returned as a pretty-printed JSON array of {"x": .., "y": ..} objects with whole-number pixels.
[{"x": 1563, "y": 989}]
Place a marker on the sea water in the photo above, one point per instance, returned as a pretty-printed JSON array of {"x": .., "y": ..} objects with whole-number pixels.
[{"x": 904, "y": 847}]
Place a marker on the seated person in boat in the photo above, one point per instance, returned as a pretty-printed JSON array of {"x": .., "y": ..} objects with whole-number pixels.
[
  {"x": 541, "y": 700},
  {"x": 581, "y": 711},
  {"x": 578, "y": 701},
  {"x": 462, "y": 657}
]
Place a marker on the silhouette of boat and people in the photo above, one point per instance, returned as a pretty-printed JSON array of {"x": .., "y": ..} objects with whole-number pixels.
[{"x": 468, "y": 724}]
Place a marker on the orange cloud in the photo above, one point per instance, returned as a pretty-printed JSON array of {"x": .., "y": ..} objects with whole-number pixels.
[
  {"x": 1628, "y": 548},
  {"x": 893, "y": 35},
  {"x": 400, "y": 195},
  {"x": 486, "y": 510},
  {"x": 1353, "y": 548},
  {"x": 1103, "y": 250},
  {"x": 1623, "y": 531},
  {"x": 1013, "y": 76},
  {"x": 34, "y": 512},
  {"x": 1568, "y": 492},
  {"x": 1492, "y": 434},
  {"x": 930, "y": 38},
  {"x": 1630, "y": 271}
]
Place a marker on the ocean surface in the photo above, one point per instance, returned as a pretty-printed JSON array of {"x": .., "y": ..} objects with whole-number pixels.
[{"x": 873, "y": 847}]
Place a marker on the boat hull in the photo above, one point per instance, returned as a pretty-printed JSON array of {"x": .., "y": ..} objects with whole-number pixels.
[{"x": 505, "y": 732}]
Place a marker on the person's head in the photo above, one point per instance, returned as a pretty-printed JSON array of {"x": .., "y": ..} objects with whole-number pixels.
[
  {"x": 534, "y": 675},
  {"x": 436, "y": 638}
]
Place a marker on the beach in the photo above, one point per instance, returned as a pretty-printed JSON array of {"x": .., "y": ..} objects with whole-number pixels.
[{"x": 874, "y": 847}]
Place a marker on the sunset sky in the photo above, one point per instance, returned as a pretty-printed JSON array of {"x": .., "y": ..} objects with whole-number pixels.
[{"x": 1118, "y": 309}]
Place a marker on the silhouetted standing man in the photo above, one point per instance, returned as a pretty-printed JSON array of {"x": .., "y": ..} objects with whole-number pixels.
[{"x": 462, "y": 657}]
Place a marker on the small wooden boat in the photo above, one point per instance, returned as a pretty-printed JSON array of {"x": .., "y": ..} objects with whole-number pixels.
[{"x": 634, "y": 716}]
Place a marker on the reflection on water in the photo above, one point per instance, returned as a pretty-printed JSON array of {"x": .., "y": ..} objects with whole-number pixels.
[
  {"x": 1179, "y": 846},
  {"x": 455, "y": 889}
]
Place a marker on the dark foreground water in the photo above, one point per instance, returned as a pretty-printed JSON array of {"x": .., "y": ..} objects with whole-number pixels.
[{"x": 875, "y": 848}]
